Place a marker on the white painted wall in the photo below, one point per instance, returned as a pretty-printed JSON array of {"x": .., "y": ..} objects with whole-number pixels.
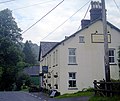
[{"x": 90, "y": 59}]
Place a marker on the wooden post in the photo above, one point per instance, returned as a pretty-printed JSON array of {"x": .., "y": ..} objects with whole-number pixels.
[
  {"x": 95, "y": 86},
  {"x": 106, "y": 50}
]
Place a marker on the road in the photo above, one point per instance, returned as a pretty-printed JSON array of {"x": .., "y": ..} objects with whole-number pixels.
[
  {"x": 24, "y": 96},
  {"x": 17, "y": 96}
]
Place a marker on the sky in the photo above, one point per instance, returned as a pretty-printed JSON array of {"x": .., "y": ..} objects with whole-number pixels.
[{"x": 62, "y": 21}]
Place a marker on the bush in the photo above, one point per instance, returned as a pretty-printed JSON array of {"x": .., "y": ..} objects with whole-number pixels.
[
  {"x": 90, "y": 89},
  {"x": 34, "y": 88},
  {"x": 24, "y": 87}
]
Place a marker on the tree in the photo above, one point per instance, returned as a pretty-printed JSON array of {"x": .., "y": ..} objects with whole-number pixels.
[
  {"x": 1, "y": 71},
  {"x": 29, "y": 55},
  {"x": 10, "y": 50},
  {"x": 21, "y": 80},
  {"x": 8, "y": 27}
]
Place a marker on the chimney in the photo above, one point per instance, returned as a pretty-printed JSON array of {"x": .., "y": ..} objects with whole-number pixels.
[
  {"x": 84, "y": 23},
  {"x": 96, "y": 11}
]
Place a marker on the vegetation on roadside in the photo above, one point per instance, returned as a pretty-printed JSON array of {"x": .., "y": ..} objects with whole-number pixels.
[
  {"x": 13, "y": 53},
  {"x": 99, "y": 98},
  {"x": 77, "y": 94}
]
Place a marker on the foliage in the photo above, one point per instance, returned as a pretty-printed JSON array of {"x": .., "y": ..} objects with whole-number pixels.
[
  {"x": 8, "y": 27},
  {"x": 22, "y": 80},
  {"x": 10, "y": 49},
  {"x": 116, "y": 86},
  {"x": 11, "y": 53},
  {"x": 34, "y": 88},
  {"x": 1, "y": 72},
  {"x": 99, "y": 98},
  {"x": 29, "y": 55},
  {"x": 79, "y": 93},
  {"x": 35, "y": 80}
]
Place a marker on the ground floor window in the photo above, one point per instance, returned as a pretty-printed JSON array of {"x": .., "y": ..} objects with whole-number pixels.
[
  {"x": 72, "y": 79},
  {"x": 111, "y": 56}
]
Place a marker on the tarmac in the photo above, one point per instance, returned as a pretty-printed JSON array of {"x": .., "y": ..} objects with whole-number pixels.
[{"x": 45, "y": 97}]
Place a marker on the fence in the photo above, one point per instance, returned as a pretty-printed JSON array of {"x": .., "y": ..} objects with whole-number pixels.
[{"x": 104, "y": 88}]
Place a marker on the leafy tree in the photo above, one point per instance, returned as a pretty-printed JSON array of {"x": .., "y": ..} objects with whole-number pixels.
[
  {"x": 8, "y": 26},
  {"x": 22, "y": 79},
  {"x": 10, "y": 49},
  {"x": 1, "y": 71},
  {"x": 29, "y": 55}
]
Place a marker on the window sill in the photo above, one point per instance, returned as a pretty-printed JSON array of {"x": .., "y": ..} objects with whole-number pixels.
[
  {"x": 112, "y": 64},
  {"x": 72, "y": 64},
  {"x": 81, "y": 42},
  {"x": 74, "y": 88}
]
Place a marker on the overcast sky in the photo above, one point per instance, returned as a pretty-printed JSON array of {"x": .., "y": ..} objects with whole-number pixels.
[{"x": 27, "y": 12}]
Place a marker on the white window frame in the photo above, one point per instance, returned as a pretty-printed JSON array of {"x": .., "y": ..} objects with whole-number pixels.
[
  {"x": 112, "y": 56},
  {"x": 81, "y": 39},
  {"x": 53, "y": 58},
  {"x": 72, "y": 57},
  {"x": 72, "y": 79},
  {"x": 50, "y": 60},
  {"x": 56, "y": 57}
]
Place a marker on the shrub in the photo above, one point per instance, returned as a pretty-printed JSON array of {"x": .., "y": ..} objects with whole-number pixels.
[{"x": 33, "y": 88}]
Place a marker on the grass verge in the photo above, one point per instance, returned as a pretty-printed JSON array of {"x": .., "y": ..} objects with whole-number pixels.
[
  {"x": 99, "y": 98},
  {"x": 77, "y": 94},
  {"x": 25, "y": 90}
]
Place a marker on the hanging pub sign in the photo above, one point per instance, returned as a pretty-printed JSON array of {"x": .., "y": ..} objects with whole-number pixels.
[{"x": 44, "y": 69}]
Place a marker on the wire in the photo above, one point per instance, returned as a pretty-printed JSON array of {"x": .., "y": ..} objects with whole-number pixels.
[
  {"x": 116, "y": 5},
  {"x": 6, "y": 1},
  {"x": 42, "y": 17},
  {"x": 32, "y": 5},
  {"x": 85, "y": 15},
  {"x": 65, "y": 21}
]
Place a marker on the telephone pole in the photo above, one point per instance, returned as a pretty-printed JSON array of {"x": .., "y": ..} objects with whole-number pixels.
[{"x": 106, "y": 50}]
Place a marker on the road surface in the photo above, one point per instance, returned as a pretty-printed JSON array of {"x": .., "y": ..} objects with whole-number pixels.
[
  {"x": 24, "y": 96},
  {"x": 17, "y": 96}
]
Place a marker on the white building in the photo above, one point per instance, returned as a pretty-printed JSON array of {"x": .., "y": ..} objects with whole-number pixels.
[{"x": 78, "y": 60}]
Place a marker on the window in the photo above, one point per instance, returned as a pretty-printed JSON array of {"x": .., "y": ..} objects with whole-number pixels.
[
  {"x": 111, "y": 56},
  {"x": 47, "y": 62},
  {"x": 72, "y": 80},
  {"x": 50, "y": 61},
  {"x": 81, "y": 39},
  {"x": 53, "y": 58},
  {"x": 72, "y": 55},
  {"x": 56, "y": 57}
]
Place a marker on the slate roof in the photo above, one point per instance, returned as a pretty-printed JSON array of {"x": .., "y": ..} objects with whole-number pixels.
[
  {"x": 32, "y": 71},
  {"x": 47, "y": 47}
]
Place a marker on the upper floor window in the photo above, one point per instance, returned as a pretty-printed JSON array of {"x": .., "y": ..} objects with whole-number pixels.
[
  {"x": 50, "y": 60},
  {"x": 81, "y": 39},
  {"x": 72, "y": 55},
  {"x": 53, "y": 58},
  {"x": 56, "y": 57},
  {"x": 47, "y": 62},
  {"x": 111, "y": 56}
]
